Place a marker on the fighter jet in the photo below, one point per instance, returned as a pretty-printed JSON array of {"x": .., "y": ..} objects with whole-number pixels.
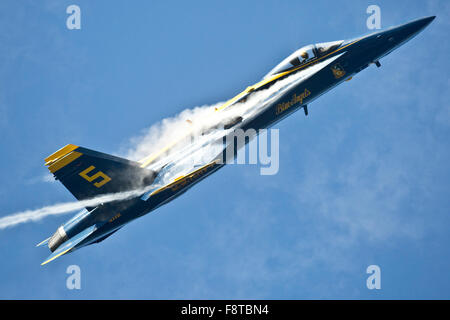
[{"x": 139, "y": 187}]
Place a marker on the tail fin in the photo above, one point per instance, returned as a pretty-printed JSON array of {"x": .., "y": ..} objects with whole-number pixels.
[{"x": 87, "y": 173}]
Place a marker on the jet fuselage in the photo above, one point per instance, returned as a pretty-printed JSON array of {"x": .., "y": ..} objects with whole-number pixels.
[{"x": 334, "y": 63}]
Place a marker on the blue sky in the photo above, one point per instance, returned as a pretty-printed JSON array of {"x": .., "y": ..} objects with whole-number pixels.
[{"x": 363, "y": 180}]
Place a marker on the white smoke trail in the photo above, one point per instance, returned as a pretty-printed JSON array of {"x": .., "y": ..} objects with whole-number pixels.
[
  {"x": 168, "y": 130},
  {"x": 62, "y": 208},
  {"x": 191, "y": 121},
  {"x": 176, "y": 136}
]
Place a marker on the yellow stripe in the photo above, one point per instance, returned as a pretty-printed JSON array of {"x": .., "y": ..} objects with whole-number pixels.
[
  {"x": 179, "y": 178},
  {"x": 64, "y": 161},
  {"x": 147, "y": 160},
  {"x": 60, "y": 153},
  {"x": 58, "y": 255},
  {"x": 234, "y": 99},
  {"x": 277, "y": 76}
]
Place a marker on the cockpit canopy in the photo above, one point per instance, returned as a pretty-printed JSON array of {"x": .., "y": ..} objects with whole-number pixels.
[
  {"x": 304, "y": 55},
  {"x": 326, "y": 47}
]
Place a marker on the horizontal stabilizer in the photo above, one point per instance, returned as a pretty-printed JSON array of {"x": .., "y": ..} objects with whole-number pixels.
[{"x": 70, "y": 244}]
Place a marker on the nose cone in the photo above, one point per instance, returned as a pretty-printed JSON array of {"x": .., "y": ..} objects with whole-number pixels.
[
  {"x": 398, "y": 35},
  {"x": 381, "y": 43},
  {"x": 427, "y": 20},
  {"x": 412, "y": 28}
]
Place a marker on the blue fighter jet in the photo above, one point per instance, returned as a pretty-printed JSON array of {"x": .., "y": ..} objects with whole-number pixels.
[{"x": 139, "y": 187}]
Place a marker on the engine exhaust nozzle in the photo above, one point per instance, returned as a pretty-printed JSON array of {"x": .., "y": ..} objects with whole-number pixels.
[{"x": 57, "y": 239}]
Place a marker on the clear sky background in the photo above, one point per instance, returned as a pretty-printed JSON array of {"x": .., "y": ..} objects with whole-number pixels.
[{"x": 363, "y": 180}]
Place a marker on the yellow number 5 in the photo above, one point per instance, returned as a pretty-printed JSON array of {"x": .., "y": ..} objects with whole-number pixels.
[{"x": 105, "y": 178}]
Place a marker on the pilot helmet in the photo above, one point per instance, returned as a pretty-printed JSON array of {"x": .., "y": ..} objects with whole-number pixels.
[{"x": 304, "y": 55}]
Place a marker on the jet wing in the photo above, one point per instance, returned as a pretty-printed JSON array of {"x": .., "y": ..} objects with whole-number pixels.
[
  {"x": 183, "y": 181},
  {"x": 70, "y": 244}
]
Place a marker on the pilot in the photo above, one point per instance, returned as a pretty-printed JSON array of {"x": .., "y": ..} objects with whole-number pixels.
[{"x": 304, "y": 55}]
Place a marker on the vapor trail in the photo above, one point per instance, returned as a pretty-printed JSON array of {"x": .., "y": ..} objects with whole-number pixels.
[
  {"x": 193, "y": 121},
  {"x": 66, "y": 207},
  {"x": 155, "y": 137},
  {"x": 173, "y": 138}
]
